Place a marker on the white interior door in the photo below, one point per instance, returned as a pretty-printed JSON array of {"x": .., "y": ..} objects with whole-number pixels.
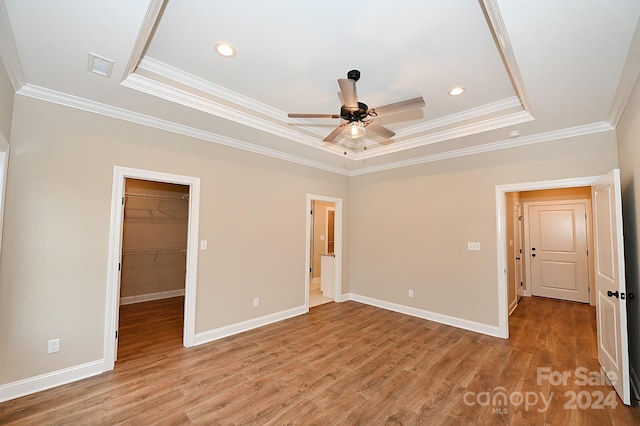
[
  {"x": 613, "y": 351},
  {"x": 558, "y": 251}
]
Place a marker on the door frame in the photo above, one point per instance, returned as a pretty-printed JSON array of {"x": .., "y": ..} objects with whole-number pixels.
[
  {"x": 501, "y": 235},
  {"x": 518, "y": 251},
  {"x": 4, "y": 173},
  {"x": 337, "y": 290},
  {"x": 120, "y": 174}
]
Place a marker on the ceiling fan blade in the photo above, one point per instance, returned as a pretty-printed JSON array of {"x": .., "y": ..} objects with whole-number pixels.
[
  {"x": 295, "y": 115},
  {"x": 348, "y": 90},
  {"x": 380, "y": 129},
  {"x": 399, "y": 106},
  {"x": 331, "y": 136}
]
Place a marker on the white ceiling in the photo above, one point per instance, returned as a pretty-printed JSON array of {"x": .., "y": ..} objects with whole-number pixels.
[{"x": 547, "y": 69}]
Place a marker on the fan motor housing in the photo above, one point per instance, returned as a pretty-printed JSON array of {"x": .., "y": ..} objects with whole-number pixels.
[{"x": 353, "y": 114}]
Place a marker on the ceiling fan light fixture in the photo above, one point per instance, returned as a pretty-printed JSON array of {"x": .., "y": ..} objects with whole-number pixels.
[
  {"x": 355, "y": 130},
  {"x": 456, "y": 91},
  {"x": 225, "y": 50}
]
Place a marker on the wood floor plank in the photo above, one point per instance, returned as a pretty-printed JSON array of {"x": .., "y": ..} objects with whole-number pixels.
[{"x": 343, "y": 363}]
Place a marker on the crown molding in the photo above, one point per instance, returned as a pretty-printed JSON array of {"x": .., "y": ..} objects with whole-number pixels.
[
  {"x": 445, "y": 135},
  {"x": 168, "y": 92},
  {"x": 494, "y": 146},
  {"x": 9, "y": 51},
  {"x": 145, "y": 120},
  {"x": 469, "y": 114},
  {"x": 182, "y": 88},
  {"x": 76, "y": 102},
  {"x": 181, "y": 77}
]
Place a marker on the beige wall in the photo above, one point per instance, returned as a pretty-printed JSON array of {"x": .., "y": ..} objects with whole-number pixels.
[
  {"x": 6, "y": 102},
  {"x": 53, "y": 266},
  {"x": 426, "y": 214},
  {"x": 628, "y": 132},
  {"x": 252, "y": 212}
]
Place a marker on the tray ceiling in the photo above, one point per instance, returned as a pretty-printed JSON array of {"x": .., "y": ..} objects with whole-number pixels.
[{"x": 531, "y": 71}]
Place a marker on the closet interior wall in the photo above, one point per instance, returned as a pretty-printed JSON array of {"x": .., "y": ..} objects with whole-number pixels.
[{"x": 154, "y": 241}]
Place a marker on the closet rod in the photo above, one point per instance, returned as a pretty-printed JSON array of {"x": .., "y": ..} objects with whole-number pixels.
[
  {"x": 156, "y": 250},
  {"x": 185, "y": 197}
]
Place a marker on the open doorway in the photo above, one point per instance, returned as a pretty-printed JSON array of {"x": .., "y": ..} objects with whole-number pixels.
[
  {"x": 324, "y": 250},
  {"x": 116, "y": 253},
  {"x": 152, "y": 283},
  {"x": 610, "y": 288},
  {"x": 549, "y": 236}
]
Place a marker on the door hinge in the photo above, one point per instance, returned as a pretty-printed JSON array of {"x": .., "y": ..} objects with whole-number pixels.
[
  {"x": 123, "y": 201},
  {"x": 588, "y": 289},
  {"x": 521, "y": 284},
  {"x": 587, "y": 252},
  {"x": 309, "y": 270},
  {"x": 116, "y": 334},
  {"x": 311, "y": 212},
  {"x": 119, "y": 266},
  {"x": 520, "y": 218}
]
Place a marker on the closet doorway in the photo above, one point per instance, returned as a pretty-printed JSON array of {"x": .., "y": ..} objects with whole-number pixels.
[
  {"x": 144, "y": 254},
  {"x": 152, "y": 281}
]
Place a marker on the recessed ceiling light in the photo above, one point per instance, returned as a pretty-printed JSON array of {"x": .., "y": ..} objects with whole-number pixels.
[
  {"x": 456, "y": 91},
  {"x": 225, "y": 50}
]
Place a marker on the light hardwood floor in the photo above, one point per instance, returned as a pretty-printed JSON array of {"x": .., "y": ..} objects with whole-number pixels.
[{"x": 345, "y": 363}]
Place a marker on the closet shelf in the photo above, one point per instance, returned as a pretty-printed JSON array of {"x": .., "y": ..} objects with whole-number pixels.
[
  {"x": 155, "y": 251},
  {"x": 154, "y": 208},
  {"x": 185, "y": 197}
]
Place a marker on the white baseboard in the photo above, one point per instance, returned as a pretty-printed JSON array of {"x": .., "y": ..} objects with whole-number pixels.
[
  {"x": 229, "y": 330},
  {"x": 128, "y": 300},
  {"x": 50, "y": 380},
  {"x": 513, "y": 305},
  {"x": 490, "y": 330}
]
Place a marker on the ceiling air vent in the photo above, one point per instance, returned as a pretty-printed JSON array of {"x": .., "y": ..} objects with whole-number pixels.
[{"x": 100, "y": 65}]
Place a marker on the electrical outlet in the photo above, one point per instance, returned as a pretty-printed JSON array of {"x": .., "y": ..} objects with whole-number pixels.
[
  {"x": 256, "y": 302},
  {"x": 475, "y": 246},
  {"x": 203, "y": 244},
  {"x": 410, "y": 293},
  {"x": 53, "y": 346}
]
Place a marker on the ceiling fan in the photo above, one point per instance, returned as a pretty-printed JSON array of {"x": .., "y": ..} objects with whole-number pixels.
[{"x": 355, "y": 113}]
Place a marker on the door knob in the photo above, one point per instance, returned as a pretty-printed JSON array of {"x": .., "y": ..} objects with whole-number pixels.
[
  {"x": 517, "y": 258},
  {"x": 612, "y": 293},
  {"x": 533, "y": 255},
  {"x": 533, "y": 248}
]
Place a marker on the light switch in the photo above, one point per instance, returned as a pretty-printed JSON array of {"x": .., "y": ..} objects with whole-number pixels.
[
  {"x": 473, "y": 246},
  {"x": 203, "y": 245}
]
